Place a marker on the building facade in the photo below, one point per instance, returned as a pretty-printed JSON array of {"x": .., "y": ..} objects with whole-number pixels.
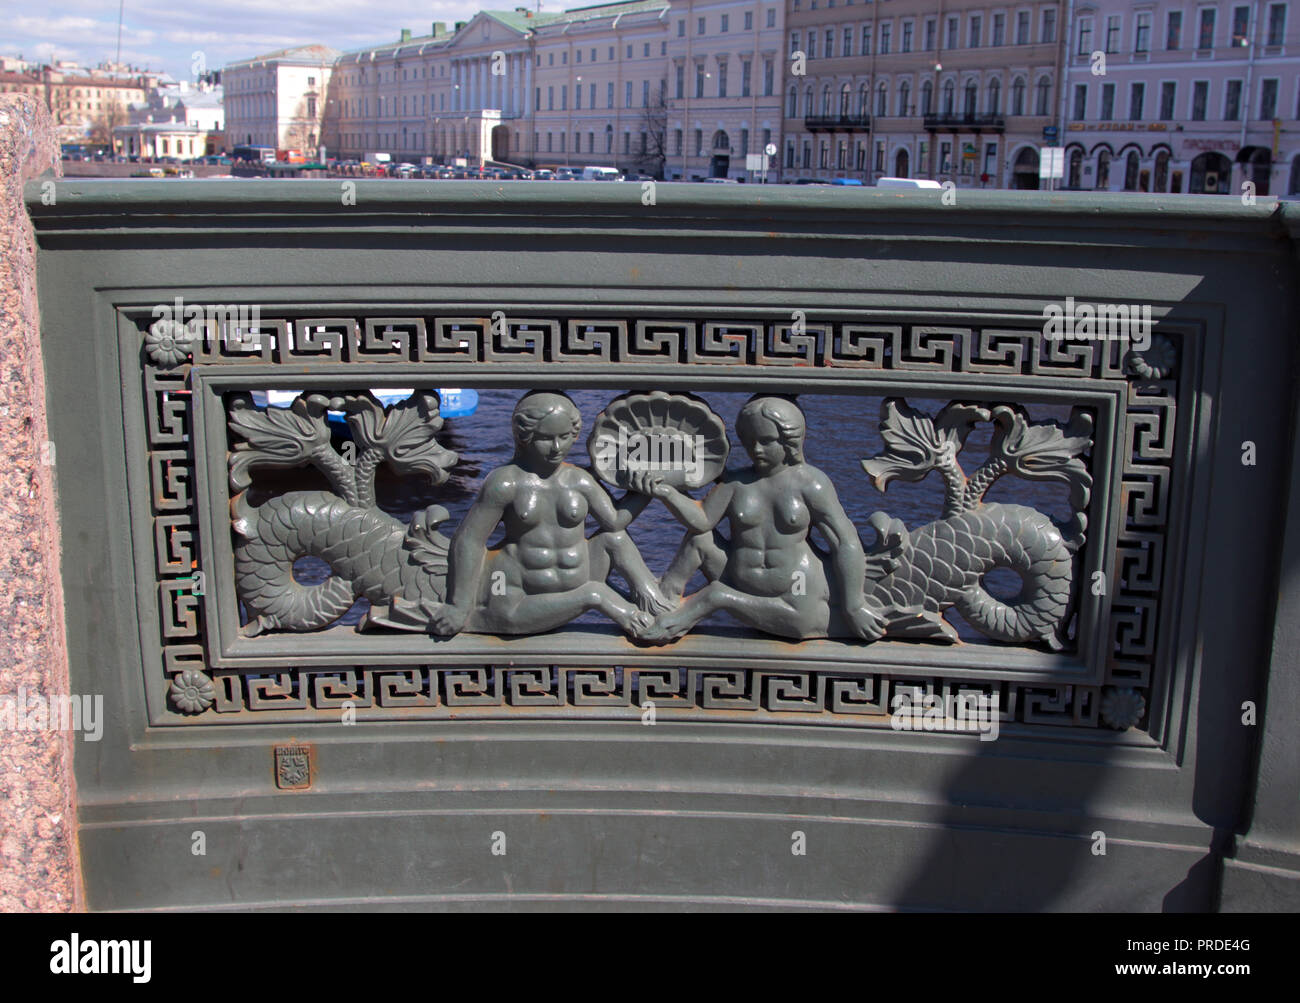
[
  {"x": 278, "y": 99},
  {"x": 86, "y": 104},
  {"x": 962, "y": 91},
  {"x": 1184, "y": 97}
]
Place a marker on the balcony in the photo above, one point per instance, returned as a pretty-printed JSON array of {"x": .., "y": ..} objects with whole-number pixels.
[
  {"x": 952, "y": 121},
  {"x": 837, "y": 123}
]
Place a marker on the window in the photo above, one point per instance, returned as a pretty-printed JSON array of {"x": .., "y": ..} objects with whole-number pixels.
[
  {"x": 745, "y": 73},
  {"x": 1276, "y": 23},
  {"x": 948, "y": 91},
  {"x": 846, "y": 47},
  {"x": 789, "y": 153},
  {"x": 885, "y": 31},
  {"x": 609, "y": 139},
  {"x": 564, "y": 60},
  {"x": 907, "y": 36},
  {"x": 945, "y": 157},
  {"x": 609, "y": 94},
  {"x": 1174, "y": 30},
  {"x": 880, "y": 156},
  {"x": 699, "y": 26},
  {"x": 1232, "y": 101},
  {"x": 627, "y": 93},
  {"x": 550, "y": 98},
  {"x": 1207, "y": 29},
  {"x": 627, "y": 142},
  {"x": 771, "y": 17},
  {"x": 823, "y": 154},
  {"x": 1268, "y": 100},
  {"x": 976, "y": 23},
  {"x": 864, "y": 102},
  {"x": 744, "y": 142},
  {"x": 1168, "y": 96},
  {"x": 792, "y": 103},
  {"x": 1044, "y": 102},
  {"x": 904, "y": 98},
  {"x": 1136, "y": 96},
  {"x": 1107, "y": 112},
  {"x": 699, "y": 142},
  {"x": 749, "y": 20},
  {"x": 830, "y": 43},
  {"x": 629, "y": 52},
  {"x": 769, "y": 78},
  {"x": 1142, "y": 33},
  {"x": 971, "y": 99},
  {"x": 699, "y": 80},
  {"x": 866, "y": 39},
  {"x": 1022, "y": 28},
  {"x": 807, "y": 102},
  {"x": 1200, "y": 98},
  {"x": 725, "y": 20},
  {"x": 1085, "y": 36},
  {"x": 1018, "y": 96},
  {"x": 807, "y": 154},
  {"x": 564, "y": 97},
  {"x": 794, "y": 42},
  {"x": 1049, "y": 26},
  {"x": 826, "y": 101},
  {"x": 999, "y": 29},
  {"x": 679, "y": 84},
  {"x": 722, "y": 79},
  {"x": 1240, "y": 24},
  {"x": 927, "y": 98},
  {"x": 812, "y": 45},
  {"x": 953, "y": 27},
  {"x": 681, "y": 28},
  {"x": 931, "y": 26},
  {"x": 1112, "y": 34},
  {"x": 882, "y": 100},
  {"x": 577, "y": 100},
  {"x": 645, "y": 93},
  {"x": 1080, "y": 102}
]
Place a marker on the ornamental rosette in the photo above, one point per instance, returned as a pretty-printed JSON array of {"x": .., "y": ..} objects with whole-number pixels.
[
  {"x": 192, "y": 692},
  {"x": 1122, "y": 707},
  {"x": 1155, "y": 363},
  {"x": 167, "y": 343}
]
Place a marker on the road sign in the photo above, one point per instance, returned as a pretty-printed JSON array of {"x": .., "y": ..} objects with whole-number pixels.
[
  {"x": 1049, "y": 134},
  {"x": 1051, "y": 162},
  {"x": 756, "y": 161},
  {"x": 770, "y": 149}
]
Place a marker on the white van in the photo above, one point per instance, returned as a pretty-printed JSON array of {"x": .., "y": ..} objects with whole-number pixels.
[
  {"x": 601, "y": 174},
  {"x": 906, "y": 183}
]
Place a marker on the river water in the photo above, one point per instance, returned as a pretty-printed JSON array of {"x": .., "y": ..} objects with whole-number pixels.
[{"x": 842, "y": 431}]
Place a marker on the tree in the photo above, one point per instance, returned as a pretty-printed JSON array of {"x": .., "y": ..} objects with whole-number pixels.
[{"x": 654, "y": 126}]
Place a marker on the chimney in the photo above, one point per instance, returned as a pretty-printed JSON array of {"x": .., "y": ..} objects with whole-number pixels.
[
  {"x": 459, "y": 25},
  {"x": 439, "y": 29},
  {"x": 406, "y": 34}
]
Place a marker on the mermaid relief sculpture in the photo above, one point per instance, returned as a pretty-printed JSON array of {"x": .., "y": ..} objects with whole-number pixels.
[{"x": 768, "y": 571}]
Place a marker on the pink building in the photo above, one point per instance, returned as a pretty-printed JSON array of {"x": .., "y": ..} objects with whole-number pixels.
[{"x": 1183, "y": 97}]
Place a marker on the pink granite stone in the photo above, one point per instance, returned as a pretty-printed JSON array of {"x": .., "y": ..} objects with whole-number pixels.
[{"x": 38, "y": 856}]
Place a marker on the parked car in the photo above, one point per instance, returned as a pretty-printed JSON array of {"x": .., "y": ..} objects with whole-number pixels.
[
  {"x": 444, "y": 174},
  {"x": 847, "y": 182},
  {"x": 719, "y": 181},
  {"x": 544, "y": 175}
]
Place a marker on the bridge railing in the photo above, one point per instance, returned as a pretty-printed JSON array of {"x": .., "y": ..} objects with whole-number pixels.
[{"x": 854, "y": 478}]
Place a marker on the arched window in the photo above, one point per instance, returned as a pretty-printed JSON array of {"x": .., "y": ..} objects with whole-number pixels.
[
  {"x": 721, "y": 141},
  {"x": 882, "y": 100},
  {"x": 846, "y": 100},
  {"x": 904, "y": 96},
  {"x": 927, "y": 97},
  {"x": 826, "y": 100},
  {"x": 994, "y": 105},
  {"x": 1043, "y": 104},
  {"x": 1103, "y": 170},
  {"x": 1073, "y": 180},
  {"x": 1131, "y": 171},
  {"x": 1018, "y": 96},
  {"x": 609, "y": 138},
  {"x": 970, "y": 100},
  {"x": 948, "y": 91},
  {"x": 792, "y": 106},
  {"x": 808, "y": 102},
  {"x": 864, "y": 101},
  {"x": 1162, "y": 171}
]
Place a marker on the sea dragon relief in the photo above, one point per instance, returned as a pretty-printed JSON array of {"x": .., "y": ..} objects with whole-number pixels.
[{"x": 547, "y": 570}]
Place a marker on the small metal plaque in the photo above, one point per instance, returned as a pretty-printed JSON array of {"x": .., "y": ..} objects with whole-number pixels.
[{"x": 293, "y": 767}]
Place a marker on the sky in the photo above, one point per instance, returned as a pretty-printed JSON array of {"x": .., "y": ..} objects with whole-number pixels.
[{"x": 166, "y": 34}]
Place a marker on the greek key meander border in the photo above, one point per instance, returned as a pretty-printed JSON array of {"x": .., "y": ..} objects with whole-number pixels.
[{"x": 811, "y": 696}]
